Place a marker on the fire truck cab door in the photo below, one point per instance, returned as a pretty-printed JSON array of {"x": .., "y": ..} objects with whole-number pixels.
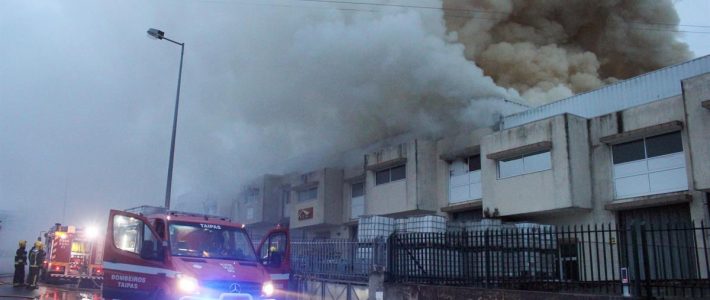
[
  {"x": 275, "y": 253},
  {"x": 134, "y": 259}
]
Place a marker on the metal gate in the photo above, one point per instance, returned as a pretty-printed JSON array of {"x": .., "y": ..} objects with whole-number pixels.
[
  {"x": 661, "y": 260},
  {"x": 318, "y": 289}
]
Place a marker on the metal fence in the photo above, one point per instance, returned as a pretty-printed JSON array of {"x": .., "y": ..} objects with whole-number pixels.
[
  {"x": 662, "y": 261},
  {"x": 337, "y": 259}
]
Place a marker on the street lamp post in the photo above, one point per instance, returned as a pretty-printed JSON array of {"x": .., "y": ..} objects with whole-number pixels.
[{"x": 157, "y": 34}]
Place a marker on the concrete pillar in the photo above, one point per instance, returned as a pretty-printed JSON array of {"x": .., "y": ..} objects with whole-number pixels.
[{"x": 376, "y": 284}]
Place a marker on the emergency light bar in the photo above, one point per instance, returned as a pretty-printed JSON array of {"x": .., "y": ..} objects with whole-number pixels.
[{"x": 147, "y": 210}]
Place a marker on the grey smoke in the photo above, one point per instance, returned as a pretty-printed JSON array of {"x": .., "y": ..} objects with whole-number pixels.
[{"x": 86, "y": 99}]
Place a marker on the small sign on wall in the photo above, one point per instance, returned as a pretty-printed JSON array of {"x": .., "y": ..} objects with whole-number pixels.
[{"x": 305, "y": 213}]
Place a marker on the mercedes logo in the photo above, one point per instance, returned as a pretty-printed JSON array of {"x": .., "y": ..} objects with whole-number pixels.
[{"x": 235, "y": 288}]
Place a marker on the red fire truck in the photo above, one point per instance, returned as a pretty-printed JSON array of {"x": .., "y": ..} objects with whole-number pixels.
[
  {"x": 154, "y": 253},
  {"x": 73, "y": 255}
]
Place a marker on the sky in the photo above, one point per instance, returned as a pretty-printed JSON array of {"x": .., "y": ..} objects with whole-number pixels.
[
  {"x": 694, "y": 12},
  {"x": 86, "y": 98}
]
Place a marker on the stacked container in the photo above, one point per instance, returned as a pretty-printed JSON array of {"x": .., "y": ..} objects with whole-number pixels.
[
  {"x": 426, "y": 224},
  {"x": 401, "y": 225},
  {"x": 371, "y": 228}
]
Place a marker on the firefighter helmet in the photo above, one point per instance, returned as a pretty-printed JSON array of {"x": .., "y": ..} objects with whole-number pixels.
[
  {"x": 38, "y": 244},
  {"x": 23, "y": 243}
]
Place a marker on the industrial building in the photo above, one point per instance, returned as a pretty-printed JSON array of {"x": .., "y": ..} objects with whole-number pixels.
[{"x": 637, "y": 149}]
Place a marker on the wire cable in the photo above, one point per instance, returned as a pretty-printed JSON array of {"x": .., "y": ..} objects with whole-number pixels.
[{"x": 448, "y": 13}]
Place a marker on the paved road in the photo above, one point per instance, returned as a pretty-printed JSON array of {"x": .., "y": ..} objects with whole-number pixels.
[{"x": 47, "y": 292}]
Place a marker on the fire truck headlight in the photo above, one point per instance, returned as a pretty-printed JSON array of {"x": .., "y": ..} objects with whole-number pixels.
[
  {"x": 267, "y": 289},
  {"x": 187, "y": 284},
  {"x": 92, "y": 232}
]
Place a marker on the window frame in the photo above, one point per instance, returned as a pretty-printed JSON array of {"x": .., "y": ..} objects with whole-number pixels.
[
  {"x": 229, "y": 229},
  {"x": 307, "y": 190},
  {"x": 352, "y": 197},
  {"x": 466, "y": 171},
  {"x": 389, "y": 174},
  {"x": 645, "y": 147},
  {"x": 139, "y": 228},
  {"x": 285, "y": 202},
  {"x": 644, "y": 167},
  {"x": 521, "y": 158}
]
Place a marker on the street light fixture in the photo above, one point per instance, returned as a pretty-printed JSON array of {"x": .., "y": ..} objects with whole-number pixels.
[
  {"x": 156, "y": 34},
  {"x": 160, "y": 35}
]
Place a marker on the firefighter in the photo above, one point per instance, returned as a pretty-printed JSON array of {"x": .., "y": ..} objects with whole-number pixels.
[
  {"x": 20, "y": 262},
  {"x": 36, "y": 258}
]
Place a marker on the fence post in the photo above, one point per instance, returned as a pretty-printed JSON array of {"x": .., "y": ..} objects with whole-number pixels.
[
  {"x": 376, "y": 280},
  {"x": 487, "y": 249},
  {"x": 376, "y": 283},
  {"x": 635, "y": 254},
  {"x": 646, "y": 264}
]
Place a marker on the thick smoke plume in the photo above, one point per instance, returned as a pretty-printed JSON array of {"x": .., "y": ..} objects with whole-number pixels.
[
  {"x": 86, "y": 99},
  {"x": 548, "y": 50}
]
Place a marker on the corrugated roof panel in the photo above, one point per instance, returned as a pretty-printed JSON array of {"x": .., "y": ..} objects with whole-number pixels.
[{"x": 621, "y": 95}]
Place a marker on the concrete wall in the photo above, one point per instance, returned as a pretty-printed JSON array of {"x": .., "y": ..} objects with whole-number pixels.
[
  {"x": 333, "y": 196},
  {"x": 328, "y": 205},
  {"x": 415, "y": 193},
  {"x": 426, "y": 159},
  {"x": 266, "y": 208},
  {"x": 565, "y": 186},
  {"x": 696, "y": 90}
]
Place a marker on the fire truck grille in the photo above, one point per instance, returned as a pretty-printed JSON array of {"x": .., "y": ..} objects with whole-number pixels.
[{"x": 224, "y": 286}]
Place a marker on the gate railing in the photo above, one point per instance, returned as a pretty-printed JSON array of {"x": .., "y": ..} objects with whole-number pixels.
[
  {"x": 667, "y": 260},
  {"x": 337, "y": 259}
]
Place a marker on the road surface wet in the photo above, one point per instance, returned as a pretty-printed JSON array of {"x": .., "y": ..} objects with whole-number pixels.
[{"x": 48, "y": 292}]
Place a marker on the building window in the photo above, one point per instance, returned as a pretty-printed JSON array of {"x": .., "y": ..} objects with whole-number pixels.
[
  {"x": 307, "y": 194},
  {"x": 465, "y": 179},
  {"x": 390, "y": 174},
  {"x": 474, "y": 163},
  {"x": 286, "y": 202},
  {"x": 651, "y": 165},
  {"x": 525, "y": 164},
  {"x": 252, "y": 195},
  {"x": 357, "y": 200},
  {"x": 358, "y": 189}
]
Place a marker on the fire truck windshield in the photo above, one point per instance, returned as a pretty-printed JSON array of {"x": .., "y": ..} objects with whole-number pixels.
[{"x": 210, "y": 241}]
